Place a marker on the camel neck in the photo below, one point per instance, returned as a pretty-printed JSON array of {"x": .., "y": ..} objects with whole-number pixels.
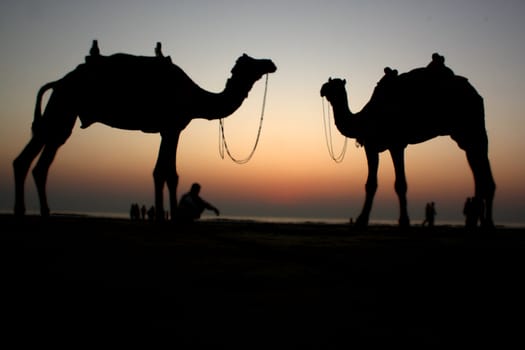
[
  {"x": 345, "y": 121},
  {"x": 221, "y": 105}
]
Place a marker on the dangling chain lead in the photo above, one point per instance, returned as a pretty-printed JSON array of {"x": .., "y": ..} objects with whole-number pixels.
[
  {"x": 328, "y": 136},
  {"x": 222, "y": 139}
]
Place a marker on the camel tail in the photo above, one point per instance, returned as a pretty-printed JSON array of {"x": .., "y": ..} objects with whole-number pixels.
[{"x": 38, "y": 106}]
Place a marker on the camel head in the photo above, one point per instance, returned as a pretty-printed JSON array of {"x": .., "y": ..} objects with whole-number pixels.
[
  {"x": 333, "y": 89},
  {"x": 251, "y": 69}
]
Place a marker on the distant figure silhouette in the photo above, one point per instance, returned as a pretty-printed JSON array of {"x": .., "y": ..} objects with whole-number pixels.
[
  {"x": 410, "y": 108},
  {"x": 134, "y": 212},
  {"x": 191, "y": 205},
  {"x": 150, "y": 94},
  {"x": 468, "y": 212},
  {"x": 143, "y": 211},
  {"x": 472, "y": 211},
  {"x": 151, "y": 213},
  {"x": 430, "y": 214}
]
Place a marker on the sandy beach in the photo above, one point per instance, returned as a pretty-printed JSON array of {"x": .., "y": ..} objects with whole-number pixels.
[{"x": 233, "y": 284}]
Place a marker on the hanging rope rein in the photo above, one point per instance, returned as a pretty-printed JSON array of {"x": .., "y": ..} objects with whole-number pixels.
[
  {"x": 328, "y": 136},
  {"x": 223, "y": 146}
]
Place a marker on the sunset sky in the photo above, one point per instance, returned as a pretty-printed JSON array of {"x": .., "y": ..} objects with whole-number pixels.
[{"x": 101, "y": 169}]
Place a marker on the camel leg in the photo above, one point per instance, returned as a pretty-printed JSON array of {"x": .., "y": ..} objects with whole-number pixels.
[
  {"x": 400, "y": 185},
  {"x": 165, "y": 172},
  {"x": 21, "y": 167},
  {"x": 40, "y": 172},
  {"x": 55, "y": 127},
  {"x": 372, "y": 158},
  {"x": 50, "y": 131},
  {"x": 484, "y": 183},
  {"x": 172, "y": 180}
]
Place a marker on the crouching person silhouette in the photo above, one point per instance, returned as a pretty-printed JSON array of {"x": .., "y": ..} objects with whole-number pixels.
[{"x": 191, "y": 205}]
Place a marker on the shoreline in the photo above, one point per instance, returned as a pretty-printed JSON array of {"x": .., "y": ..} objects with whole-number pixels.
[{"x": 265, "y": 219}]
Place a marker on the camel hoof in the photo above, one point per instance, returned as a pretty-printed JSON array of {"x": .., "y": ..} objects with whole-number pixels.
[
  {"x": 20, "y": 212},
  {"x": 404, "y": 222},
  {"x": 361, "y": 222},
  {"x": 487, "y": 224},
  {"x": 45, "y": 212}
]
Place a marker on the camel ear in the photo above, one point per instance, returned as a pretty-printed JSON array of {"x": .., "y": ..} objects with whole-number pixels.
[
  {"x": 329, "y": 78},
  {"x": 344, "y": 81}
]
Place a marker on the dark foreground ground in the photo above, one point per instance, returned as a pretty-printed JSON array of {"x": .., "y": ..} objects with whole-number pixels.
[{"x": 75, "y": 281}]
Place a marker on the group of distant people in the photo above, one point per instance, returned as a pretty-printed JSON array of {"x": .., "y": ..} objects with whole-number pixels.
[
  {"x": 471, "y": 210},
  {"x": 191, "y": 207},
  {"x": 137, "y": 212}
]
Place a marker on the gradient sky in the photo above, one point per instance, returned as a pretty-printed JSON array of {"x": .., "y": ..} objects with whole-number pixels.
[{"x": 291, "y": 174}]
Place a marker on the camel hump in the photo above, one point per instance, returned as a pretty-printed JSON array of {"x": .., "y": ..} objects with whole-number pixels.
[
  {"x": 124, "y": 59},
  {"x": 431, "y": 79},
  {"x": 436, "y": 72},
  {"x": 435, "y": 69}
]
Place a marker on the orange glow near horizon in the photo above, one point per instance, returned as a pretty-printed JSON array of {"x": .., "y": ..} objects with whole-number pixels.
[{"x": 277, "y": 173}]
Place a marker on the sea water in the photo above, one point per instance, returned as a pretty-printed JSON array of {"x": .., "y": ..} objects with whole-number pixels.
[{"x": 269, "y": 219}]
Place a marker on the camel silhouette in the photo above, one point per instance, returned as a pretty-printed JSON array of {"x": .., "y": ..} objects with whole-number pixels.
[
  {"x": 129, "y": 92},
  {"x": 410, "y": 108}
]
